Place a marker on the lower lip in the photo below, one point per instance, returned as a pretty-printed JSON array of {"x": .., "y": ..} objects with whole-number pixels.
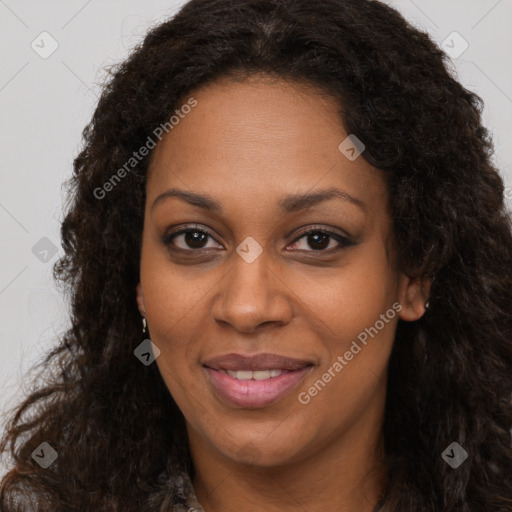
[{"x": 255, "y": 393}]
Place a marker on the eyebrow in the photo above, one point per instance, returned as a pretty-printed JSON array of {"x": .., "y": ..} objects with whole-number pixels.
[{"x": 289, "y": 204}]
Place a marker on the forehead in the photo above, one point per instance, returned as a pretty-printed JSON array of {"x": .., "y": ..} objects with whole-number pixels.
[{"x": 258, "y": 138}]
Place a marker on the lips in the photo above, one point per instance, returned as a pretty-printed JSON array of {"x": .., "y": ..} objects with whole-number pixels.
[
  {"x": 254, "y": 393},
  {"x": 257, "y": 362},
  {"x": 254, "y": 381}
]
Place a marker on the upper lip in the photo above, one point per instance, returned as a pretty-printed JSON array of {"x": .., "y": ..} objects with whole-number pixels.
[{"x": 264, "y": 361}]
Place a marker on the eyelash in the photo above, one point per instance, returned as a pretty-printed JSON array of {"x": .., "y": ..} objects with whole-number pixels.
[{"x": 342, "y": 240}]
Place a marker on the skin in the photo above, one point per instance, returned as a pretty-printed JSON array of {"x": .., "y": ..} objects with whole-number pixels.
[{"x": 247, "y": 144}]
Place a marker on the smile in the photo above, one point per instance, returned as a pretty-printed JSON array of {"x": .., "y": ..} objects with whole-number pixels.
[
  {"x": 254, "y": 389},
  {"x": 256, "y": 374}
]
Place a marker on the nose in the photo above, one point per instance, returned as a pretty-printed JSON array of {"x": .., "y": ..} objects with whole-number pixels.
[{"x": 253, "y": 294}]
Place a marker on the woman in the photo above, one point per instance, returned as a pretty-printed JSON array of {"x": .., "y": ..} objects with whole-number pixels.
[{"x": 295, "y": 202}]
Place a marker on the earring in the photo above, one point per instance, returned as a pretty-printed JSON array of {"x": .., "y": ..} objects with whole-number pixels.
[
  {"x": 427, "y": 304},
  {"x": 144, "y": 325}
]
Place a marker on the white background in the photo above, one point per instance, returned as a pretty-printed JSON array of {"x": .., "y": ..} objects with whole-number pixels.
[{"x": 46, "y": 103}]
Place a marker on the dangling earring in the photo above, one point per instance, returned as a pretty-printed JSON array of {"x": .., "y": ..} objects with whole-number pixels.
[{"x": 144, "y": 325}]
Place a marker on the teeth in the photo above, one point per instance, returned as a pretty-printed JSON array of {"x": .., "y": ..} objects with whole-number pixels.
[
  {"x": 256, "y": 375},
  {"x": 261, "y": 374},
  {"x": 240, "y": 374}
]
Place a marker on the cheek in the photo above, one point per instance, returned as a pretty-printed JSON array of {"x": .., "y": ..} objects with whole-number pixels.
[
  {"x": 352, "y": 297},
  {"x": 173, "y": 295},
  {"x": 351, "y": 382},
  {"x": 176, "y": 317},
  {"x": 358, "y": 317},
  {"x": 173, "y": 305}
]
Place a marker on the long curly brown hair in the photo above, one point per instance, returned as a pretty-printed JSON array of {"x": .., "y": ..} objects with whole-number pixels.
[{"x": 119, "y": 435}]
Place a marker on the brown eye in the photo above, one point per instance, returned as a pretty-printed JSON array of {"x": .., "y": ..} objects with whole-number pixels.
[
  {"x": 316, "y": 240},
  {"x": 188, "y": 238},
  {"x": 319, "y": 241},
  {"x": 195, "y": 239}
]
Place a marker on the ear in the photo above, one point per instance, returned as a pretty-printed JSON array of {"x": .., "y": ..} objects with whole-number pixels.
[
  {"x": 413, "y": 294},
  {"x": 140, "y": 300}
]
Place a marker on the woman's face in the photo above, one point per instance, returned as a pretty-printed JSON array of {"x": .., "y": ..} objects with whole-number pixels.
[{"x": 246, "y": 279}]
